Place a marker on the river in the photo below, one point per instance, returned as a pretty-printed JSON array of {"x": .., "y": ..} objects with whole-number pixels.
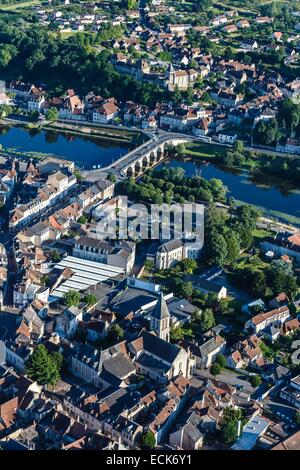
[
  {"x": 274, "y": 195},
  {"x": 271, "y": 193},
  {"x": 85, "y": 151}
]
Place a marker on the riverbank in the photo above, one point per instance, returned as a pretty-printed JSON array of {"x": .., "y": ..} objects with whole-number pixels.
[
  {"x": 85, "y": 150},
  {"x": 277, "y": 198},
  {"x": 255, "y": 161},
  {"x": 122, "y": 134}
]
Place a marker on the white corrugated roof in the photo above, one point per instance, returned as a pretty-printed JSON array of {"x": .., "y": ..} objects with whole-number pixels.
[{"x": 86, "y": 273}]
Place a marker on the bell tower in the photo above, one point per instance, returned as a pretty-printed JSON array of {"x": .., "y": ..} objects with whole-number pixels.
[{"x": 160, "y": 319}]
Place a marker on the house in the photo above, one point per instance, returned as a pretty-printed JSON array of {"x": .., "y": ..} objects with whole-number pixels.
[
  {"x": 207, "y": 352},
  {"x": 235, "y": 360},
  {"x": 227, "y": 137},
  {"x": 72, "y": 107},
  {"x": 208, "y": 286},
  {"x": 119, "y": 253},
  {"x": 218, "y": 20},
  {"x": 25, "y": 293},
  {"x": 291, "y": 393},
  {"x": 284, "y": 243},
  {"x": 263, "y": 320},
  {"x": 21, "y": 89},
  {"x": 281, "y": 300},
  {"x": 109, "y": 367},
  {"x": 272, "y": 332},
  {"x": 290, "y": 327},
  {"x": 201, "y": 128},
  {"x": 124, "y": 430},
  {"x": 35, "y": 102},
  {"x": 67, "y": 322},
  {"x": 241, "y": 24},
  {"x": 169, "y": 253},
  {"x": 277, "y": 35},
  {"x": 249, "y": 44},
  {"x": 230, "y": 28},
  {"x": 106, "y": 112},
  {"x": 188, "y": 435},
  {"x": 263, "y": 20},
  {"x": 276, "y": 374},
  {"x": 291, "y": 146}
]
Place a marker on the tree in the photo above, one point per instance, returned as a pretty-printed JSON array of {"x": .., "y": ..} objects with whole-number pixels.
[
  {"x": 131, "y": 4},
  {"x": 111, "y": 177},
  {"x": 297, "y": 418},
  {"x": 217, "y": 249},
  {"x": 221, "y": 361},
  {"x": 289, "y": 114},
  {"x": 229, "y": 428},
  {"x": 116, "y": 332},
  {"x": 207, "y": 319},
  {"x": 188, "y": 265},
  {"x": 255, "y": 380},
  {"x": 233, "y": 246},
  {"x": 54, "y": 255},
  {"x": 258, "y": 283},
  {"x": 238, "y": 146},
  {"x": 52, "y": 114},
  {"x": 82, "y": 219},
  {"x": 202, "y": 5},
  {"x": 58, "y": 359},
  {"x": 280, "y": 280},
  {"x": 90, "y": 299},
  {"x": 248, "y": 215},
  {"x": 148, "y": 440},
  {"x": 215, "y": 369},
  {"x": 267, "y": 132},
  {"x": 185, "y": 289},
  {"x": 44, "y": 367},
  {"x": 72, "y": 298},
  {"x": 78, "y": 175},
  {"x": 176, "y": 333}
]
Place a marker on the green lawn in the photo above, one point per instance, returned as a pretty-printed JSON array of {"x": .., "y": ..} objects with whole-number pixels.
[
  {"x": 18, "y": 5},
  {"x": 204, "y": 150},
  {"x": 260, "y": 234}
]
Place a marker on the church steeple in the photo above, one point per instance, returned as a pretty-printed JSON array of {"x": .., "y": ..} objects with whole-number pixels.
[{"x": 160, "y": 319}]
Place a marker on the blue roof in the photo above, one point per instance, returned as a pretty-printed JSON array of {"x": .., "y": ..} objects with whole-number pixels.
[{"x": 251, "y": 432}]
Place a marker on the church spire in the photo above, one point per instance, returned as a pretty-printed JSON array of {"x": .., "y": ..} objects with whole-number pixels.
[{"x": 160, "y": 318}]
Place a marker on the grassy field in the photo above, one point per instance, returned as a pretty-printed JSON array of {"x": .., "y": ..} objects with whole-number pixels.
[
  {"x": 204, "y": 150},
  {"x": 19, "y": 5}
]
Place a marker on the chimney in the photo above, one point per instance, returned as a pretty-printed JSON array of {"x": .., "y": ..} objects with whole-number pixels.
[{"x": 239, "y": 427}]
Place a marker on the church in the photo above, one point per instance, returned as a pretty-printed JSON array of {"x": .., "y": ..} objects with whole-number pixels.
[
  {"x": 153, "y": 355},
  {"x": 180, "y": 79}
]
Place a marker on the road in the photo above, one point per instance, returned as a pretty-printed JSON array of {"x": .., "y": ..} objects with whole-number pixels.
[{"x": 118, "y": 167}]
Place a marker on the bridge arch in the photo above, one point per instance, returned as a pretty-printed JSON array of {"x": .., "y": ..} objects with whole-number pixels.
[
  {"x": 130, "y": 172},
  {"x": 145, "y": 162},
  {"x": 137, "y": 168}
]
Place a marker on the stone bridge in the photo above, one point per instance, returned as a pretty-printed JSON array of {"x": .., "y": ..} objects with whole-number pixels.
[{"x": 146, "y": 156}]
